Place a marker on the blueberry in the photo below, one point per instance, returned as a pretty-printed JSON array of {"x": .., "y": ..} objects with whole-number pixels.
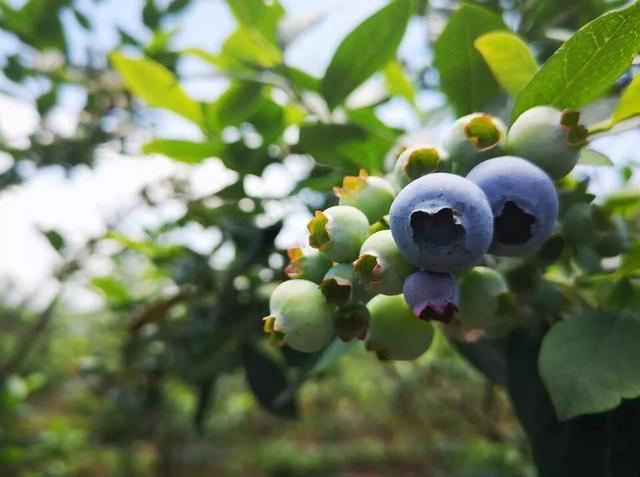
[
  {"x": 442, "y": 223},
  {"x": 352, "y": 321},
  {"x": 307, "y": 264},
  {"x": 338, "y": 284},
  {"x": 369, "y": 194},
  {"x": 381, "y": 268},
  {"x": 484, "y": 298},
  {"x": 339, "y": 232},
  {"x": 431, "y": 296},
  {"x": 300, "y": 316},
  {"x": 416, "y": 162},
  {"x": 549, "y": 138},
  {"x": 472, "y": 139},
  {"x": 394, "y": 331},
  {"x": 523, "y": 200}
]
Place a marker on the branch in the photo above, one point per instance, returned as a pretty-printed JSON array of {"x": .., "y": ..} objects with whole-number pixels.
[{"x": 28, "y": 341}]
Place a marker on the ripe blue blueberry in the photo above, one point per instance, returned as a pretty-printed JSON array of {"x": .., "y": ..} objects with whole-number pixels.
[
  {"x": 442, "y": 223},
  {"x": 523, "y": 200},
  {"x": 472, "y": 139},
  {"x": 431, "y": 296},
  {"x": 549, "y": 138}
]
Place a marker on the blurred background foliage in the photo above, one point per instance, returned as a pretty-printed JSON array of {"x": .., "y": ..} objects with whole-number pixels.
[{"x": 173, "y": 377}]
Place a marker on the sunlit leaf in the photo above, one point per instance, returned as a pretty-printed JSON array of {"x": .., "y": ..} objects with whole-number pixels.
[
  {"x": 398, "y": 82},
  {"x": 156, "y": 85},
  {"x": 629, "y": 105},
  {"x": 258, "y": 14},
  {"x": 250, "y": 45},
  {"x": 587, "y": 64},
  {"x": 591, "y": 157},
  {"x": 509, "y": 59},
  {"x": 181, "y": 150}
]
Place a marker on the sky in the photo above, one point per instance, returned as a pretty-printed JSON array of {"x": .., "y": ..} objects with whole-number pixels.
[{"x": 80, "y": 205}]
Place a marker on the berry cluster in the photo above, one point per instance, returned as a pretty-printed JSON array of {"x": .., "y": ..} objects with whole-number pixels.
[{"x": 384, "y": 262}]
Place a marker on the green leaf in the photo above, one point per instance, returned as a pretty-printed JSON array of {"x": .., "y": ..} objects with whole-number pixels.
[
  {"x": 509, "y": 59},
  {"x": 629, "y": 105},
  {"x": 365, "y": 50},
  {"x": 464, "y": 76},
  {"x": 156, "y": 85},
  {"x": 257, "y": 14},
  {"x": 595, "y": 445},
  {"x": 348, "y": 147},
  {"x": 323, "y": 141},
  {"x": 55, "y": 239},
  {"x": 82, "y": 19},
  {"x": 591, "y": 157},
  {"x": 234, "y": 106},
  {"x": 151, "y": 14},
  {"x": 112, "y": 288},
  {"x": 249, "y": 45},
  {"x": 397, "y": 81},
  {"x": 181, "y": 150},
  {"x": 268, "y": 381},
  {"x": 624, "y": 201},
  {"x": 589, "y": 362},
  {"x": 587, "y": 64}
]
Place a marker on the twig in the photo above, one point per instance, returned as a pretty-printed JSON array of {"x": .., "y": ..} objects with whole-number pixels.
[{"x": 29, "y": 340}]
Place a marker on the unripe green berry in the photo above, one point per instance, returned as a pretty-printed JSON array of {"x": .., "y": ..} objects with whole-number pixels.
[
  {"x": 307, "y": 264},
  {"x": 339, "y": 232},
  {"x": 338, "y": 284},
  {"x": 484, "y": 298},
  {"x": 394, "y": 331},
  {"x": 300, "y": 316},
  {"x": 472, "y": 139},
  {"x": 613, "y": 241},
  {"x": 369, "y": 194},
  {"x": 381, "y": 268},
  {"x": 416, "y": 162},
  {"x": 549, "y": 138}
]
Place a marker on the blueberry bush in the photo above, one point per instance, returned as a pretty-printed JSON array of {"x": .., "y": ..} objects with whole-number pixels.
[{"x": 478, "y": 230}]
